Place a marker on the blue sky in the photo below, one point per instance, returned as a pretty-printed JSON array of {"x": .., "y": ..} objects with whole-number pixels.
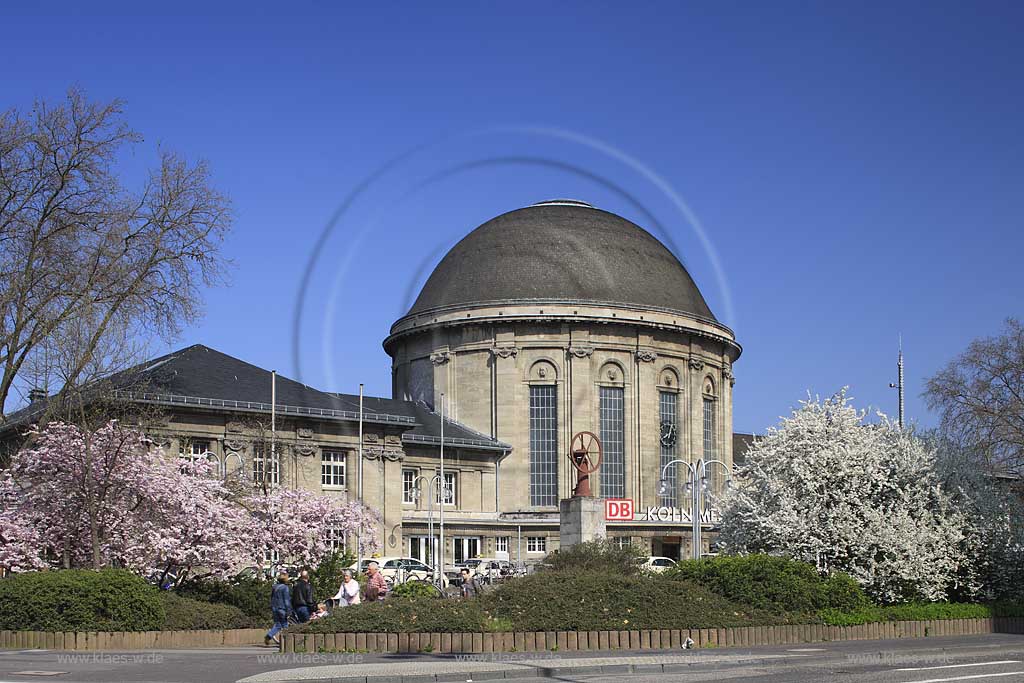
[{"x": 856, "y": 168}]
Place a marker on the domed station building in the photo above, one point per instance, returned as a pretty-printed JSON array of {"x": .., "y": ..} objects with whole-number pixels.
[
  {"x": 559, "y": 318},
  {"x": 545, "y": 321}
]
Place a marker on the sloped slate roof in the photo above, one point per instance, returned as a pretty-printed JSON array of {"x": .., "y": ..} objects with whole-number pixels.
[{"x": 198, "y": 376}]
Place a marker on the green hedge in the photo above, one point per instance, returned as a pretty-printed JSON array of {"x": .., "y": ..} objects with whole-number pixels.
[
  {"x": 251, "y": 596},
  {"x": 597, "y": 601},
  {"x": 79, "y": 600},
  {"x": 414, "y": 589},
  {"x": 396, "y": 615},
  {"x": 597, "y": 556},
  {"x": 774, "y": 584},
  {"x": 919, "y": 612},
  {"x": 186, "y": 614}
]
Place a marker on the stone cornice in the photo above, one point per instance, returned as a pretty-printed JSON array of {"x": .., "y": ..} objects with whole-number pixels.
[{"x": 561, "y": 311}]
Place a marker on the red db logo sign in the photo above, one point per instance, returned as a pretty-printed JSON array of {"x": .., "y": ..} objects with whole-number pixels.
[{"x": 618, "y": 509}]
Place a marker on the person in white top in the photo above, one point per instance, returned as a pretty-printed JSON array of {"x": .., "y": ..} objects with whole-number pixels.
[{"x": 348, "y": 594}]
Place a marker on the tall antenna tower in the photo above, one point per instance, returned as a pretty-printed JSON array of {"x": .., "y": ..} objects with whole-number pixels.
[{"x": 899, "y": 381}]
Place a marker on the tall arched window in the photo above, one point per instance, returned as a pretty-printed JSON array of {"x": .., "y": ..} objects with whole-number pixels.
[
  {"x": 543, "y": 445},
  {"x": 613, "y": 441},
  {"x": 668, "y": 435},
  {"x": 710, "y": 432}
]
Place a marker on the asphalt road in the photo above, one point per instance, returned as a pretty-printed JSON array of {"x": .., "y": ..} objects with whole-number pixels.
[{"x": 985, "y": 659}]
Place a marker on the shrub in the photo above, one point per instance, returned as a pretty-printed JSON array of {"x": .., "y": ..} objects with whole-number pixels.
[
  {"x": 414, "y": 589},
  {"x": 250, "y": 595},
  {"x": 326, "y": 578},
  {"x": 912, "y": 612},
  {"x": 79, "y": 600},
  {"x": 396, "y": 615},
  {"x": 774, "y": 584},
  {"x": 186, "y": 614},
  {"x": 597, "y": 556},
  {"x": 597, "y": 601}
]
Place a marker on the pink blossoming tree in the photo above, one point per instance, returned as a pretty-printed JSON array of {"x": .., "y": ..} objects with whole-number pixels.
[{"x": 111, "y": 497}]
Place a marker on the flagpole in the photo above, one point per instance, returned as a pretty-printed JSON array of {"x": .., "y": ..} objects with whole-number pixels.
[
  {"x": 442, "y": 488},
  {"x": 273, "y": 428},
  {"x": 359, "y": 535}
]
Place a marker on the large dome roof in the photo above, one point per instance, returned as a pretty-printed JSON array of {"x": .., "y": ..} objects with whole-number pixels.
[{"x": 562, "y": 250}]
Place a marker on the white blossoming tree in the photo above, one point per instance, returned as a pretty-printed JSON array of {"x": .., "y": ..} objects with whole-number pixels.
[
  {"x": 995, "y": 535},
  {"x": 827, "y": 487}
]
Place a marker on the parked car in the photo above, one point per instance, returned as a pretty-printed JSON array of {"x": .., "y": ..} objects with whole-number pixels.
[
  {"x": 658, "y": 564},
  {"x": 400, "y": 569},
  {"x": 486, "y": 569}
]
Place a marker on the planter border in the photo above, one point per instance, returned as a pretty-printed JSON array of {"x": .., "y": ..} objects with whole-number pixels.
[
  {"x": 519, "y": 641},
  {"x": 653, "y": 639},
  {"x": 129, "y": 640}
]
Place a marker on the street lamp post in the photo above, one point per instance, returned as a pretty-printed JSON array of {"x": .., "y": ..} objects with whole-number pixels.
[
  {"x": 432, "y": 483},
  {"x": 697, "y": 485}
]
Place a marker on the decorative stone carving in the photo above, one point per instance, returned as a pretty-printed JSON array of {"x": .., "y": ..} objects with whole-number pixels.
[
  {"x": 234, "y": 427},
  {"x": 440, "y": 357},
  {"x": 370, "y": 438},
  {"x": 304, "y": 433},
  {"x": 542, "y": 372},
  {"x": 392, "y": 439},
  {"x": 729, "y": 377},
  {"x": 234, "y": 444},
  {"x": 581, "y": 351},
  {"x": 506, "y": 351},
  {"x": 646, "y": 356},
  {"x": 613, "y": 374},
  {"x": 696, "y": 364},
  {"x": 381, "y": 453},
  {"x": 304, "y": 449}
]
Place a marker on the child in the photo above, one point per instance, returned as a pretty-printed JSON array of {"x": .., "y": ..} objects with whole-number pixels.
[{"x": 321, "y": 611}]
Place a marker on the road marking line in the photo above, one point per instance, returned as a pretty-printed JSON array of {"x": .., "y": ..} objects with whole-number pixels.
[
  {"x": 967, "y": 678},
  {"x": 808, "y": 649},
  {"x": 957, "y": 666}
]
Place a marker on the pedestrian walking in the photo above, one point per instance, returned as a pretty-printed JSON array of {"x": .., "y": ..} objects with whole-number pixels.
[
  {"x": 376, "y": 586},
  {"x": 468, "y": 586},
  {"x": 280, "y": 606},
  {"x": 302, "y": 598}
]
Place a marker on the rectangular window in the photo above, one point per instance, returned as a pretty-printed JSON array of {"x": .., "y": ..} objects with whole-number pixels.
[
  {"x": 336, "y": 540},
  {"x": 622, "y": 541},
  {"x": 536, "y": 544},
  {"x": 465, "y": 547},
  {"x": 271, "y": 557},
  {"x": 409, "y": 486},
  {"x": 669, "y": 435},
  {"x": 710, "y": 443},
  {"x": 332, "y": 469},
  {"x": 199, "y": 449},
  {"x": 266, "y": 468},
  {"x": 543, "y": 445},
  {"x": 501, "y": 546},
  {"x": 613, "y": 441},
  {"x": 450, "y": 480}
]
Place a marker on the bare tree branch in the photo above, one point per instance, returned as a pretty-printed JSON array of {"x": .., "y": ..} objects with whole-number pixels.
[
  {"x": 86, "y": 261},
  {"x": 980, "y": 396}
]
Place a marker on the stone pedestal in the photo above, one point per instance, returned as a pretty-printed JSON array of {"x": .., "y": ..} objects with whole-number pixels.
[{"x": 582, "y": 519}]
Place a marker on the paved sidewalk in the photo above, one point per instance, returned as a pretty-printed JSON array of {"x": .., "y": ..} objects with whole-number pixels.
[{"x": 505, "y": 666}]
